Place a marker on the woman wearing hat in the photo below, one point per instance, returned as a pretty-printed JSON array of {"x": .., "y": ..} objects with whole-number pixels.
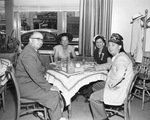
[
  {"x": 64, "y": 50},
  {"x": 118, "y": 79},
  {"x": 101, "y": 54}
]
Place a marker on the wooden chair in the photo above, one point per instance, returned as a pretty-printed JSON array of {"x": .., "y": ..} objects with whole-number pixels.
[
  {"x": 49, "y": 53},
  {"x": 29, "y": 105},
  {"x": 3, "y": 82},
  {"x": 117, "y": 110},
  {"x": 142, "y": 86},
  {"x": 85, "y": 58},
  {"x": 3, "y": 88},
  {"x": 2, "y": 97}
]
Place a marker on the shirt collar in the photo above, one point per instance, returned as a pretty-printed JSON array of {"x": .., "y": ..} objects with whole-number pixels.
[
  {"x": 33, "y": 48},
  {"x": 113, "y": 58}
]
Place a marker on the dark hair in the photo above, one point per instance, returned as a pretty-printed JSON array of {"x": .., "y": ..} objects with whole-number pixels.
[{"x": 99, "y": 37}]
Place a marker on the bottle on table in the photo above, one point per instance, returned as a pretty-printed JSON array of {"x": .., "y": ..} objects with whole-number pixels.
[{"x": 70, "y": 67}]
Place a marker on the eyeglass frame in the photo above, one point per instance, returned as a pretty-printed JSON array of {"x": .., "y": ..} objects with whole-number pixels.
[{"x": 38, "y": 39}]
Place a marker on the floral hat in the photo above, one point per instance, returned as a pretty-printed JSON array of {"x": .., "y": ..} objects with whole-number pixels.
[
  {"x": 96, "y": 37},
  {"x": 118, "y": 39}
]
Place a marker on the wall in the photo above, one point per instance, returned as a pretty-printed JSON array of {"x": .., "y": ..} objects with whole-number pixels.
[{"x": 123, "y": 10}]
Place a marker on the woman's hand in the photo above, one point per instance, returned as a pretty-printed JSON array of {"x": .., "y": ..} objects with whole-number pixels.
[
  {"x": 90, "y": 69},
  {"x": 54, "y": 88},
  {"x": 58, "y": 67}
]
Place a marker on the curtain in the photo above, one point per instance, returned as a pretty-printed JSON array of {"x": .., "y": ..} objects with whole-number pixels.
[{"x": 95, "y": 18}]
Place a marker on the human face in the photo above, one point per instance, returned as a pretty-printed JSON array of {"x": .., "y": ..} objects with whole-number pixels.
[
  {"x": 36, "y": 40},
  {"x": 99, "y": 43},
  {"x": 64, "y": 41},
  {"x": 113, "y": 48}
]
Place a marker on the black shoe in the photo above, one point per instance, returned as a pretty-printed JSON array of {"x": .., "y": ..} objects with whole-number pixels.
[
  {"x": 106, "y": 119},
  {"x": 87, "y": 100}
]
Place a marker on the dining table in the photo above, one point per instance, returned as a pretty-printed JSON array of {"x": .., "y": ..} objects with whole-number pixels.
[{"x": 70, "y": 83}]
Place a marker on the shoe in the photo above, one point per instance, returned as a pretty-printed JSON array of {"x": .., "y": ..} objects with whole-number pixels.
[
  {"x": 62, "y": 118},
  {"x": 106, "y": 119},
  {"x": 86, "y": 100}
]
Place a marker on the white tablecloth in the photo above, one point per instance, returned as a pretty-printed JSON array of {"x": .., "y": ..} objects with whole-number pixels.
[{"x": 69, "y": 84}]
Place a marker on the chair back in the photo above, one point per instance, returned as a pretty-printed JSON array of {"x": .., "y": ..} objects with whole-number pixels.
[
  {"x": 130, "y": 87},
  {"x": 145, "y": 67},
  {"x": 87, "y": 58},
  {"x": 12, "y": 77},
  {"x": 146, "y": 61}
]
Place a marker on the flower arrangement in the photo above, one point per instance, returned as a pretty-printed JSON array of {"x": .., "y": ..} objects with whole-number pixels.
[{"x": 10, "y": 44}]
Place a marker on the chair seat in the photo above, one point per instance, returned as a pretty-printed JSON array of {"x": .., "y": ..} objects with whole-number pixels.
[{"x": 24, "y": 100}]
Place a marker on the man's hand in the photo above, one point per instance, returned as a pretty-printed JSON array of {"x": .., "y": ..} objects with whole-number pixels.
[
  {"x": 50, "y": 66},
  {"x": 54, "y": 88}
]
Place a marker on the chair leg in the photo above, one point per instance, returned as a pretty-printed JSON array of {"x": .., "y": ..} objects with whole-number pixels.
[
  {"x": 45, "y": 113},
  {"x": 135, "y": 92},
  {"x": 125, "y": 112},
  {"x": 3, "y": 100},
  {"x": 143, "y": 95},
  {"x": 129, "y": 110},
  {"x": 5, "y": 88},
  {"x": 50, "y": 115},
  {"x": 18, "y": 111},
  {"x": 69, "y": 111}
]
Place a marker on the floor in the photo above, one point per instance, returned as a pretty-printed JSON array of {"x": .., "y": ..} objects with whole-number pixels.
[{"x": 80, "y": 110}]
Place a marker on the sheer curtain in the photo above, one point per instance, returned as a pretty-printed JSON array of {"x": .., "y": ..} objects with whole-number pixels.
[{"x": 95, "y": 18}]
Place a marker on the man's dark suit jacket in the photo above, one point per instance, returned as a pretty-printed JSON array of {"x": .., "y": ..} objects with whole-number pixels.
[{"x": 30, "y": 73}]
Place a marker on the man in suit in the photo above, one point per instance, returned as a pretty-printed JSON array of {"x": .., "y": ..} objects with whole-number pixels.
[
  {"x": 118, "y": 79},
  {"x": 30, "y": 77}
]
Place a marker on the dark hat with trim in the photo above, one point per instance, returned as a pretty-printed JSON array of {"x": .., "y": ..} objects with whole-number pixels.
[
  {"x": 118, "y": 39},
  {"x": 70, "y": 37}
]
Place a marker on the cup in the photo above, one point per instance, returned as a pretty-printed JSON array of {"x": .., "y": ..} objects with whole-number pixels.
[{"x": 78, "y": 65}]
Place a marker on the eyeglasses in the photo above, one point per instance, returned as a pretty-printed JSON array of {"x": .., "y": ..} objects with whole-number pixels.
[{"x": 38, "y": 39}]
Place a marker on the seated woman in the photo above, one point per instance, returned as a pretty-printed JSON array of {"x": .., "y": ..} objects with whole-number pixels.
[
  {"x": 101, "y": 55},
  {"x": 119, "y": 77},
  {"x": 64, "y": 50}
]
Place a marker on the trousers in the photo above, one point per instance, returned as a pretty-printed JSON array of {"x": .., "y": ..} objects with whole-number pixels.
[{"x": 97, "y": 105}]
